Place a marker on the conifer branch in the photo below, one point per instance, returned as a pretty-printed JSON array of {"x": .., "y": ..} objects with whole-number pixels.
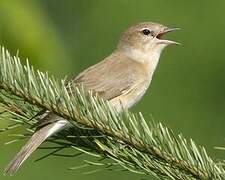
[{"x": 136, "y": 144}]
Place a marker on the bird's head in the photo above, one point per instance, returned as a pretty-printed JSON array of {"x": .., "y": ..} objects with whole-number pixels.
[{"x": 145, "y": 39}]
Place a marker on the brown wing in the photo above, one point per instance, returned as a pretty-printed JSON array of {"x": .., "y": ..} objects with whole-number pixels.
[{"x": 109, "y": 78}]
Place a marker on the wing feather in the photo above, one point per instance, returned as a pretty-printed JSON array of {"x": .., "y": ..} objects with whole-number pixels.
[{"x": 109, "y": 78}]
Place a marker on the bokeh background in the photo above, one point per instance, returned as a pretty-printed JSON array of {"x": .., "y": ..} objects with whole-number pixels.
[{"x": 64, "y": 37}]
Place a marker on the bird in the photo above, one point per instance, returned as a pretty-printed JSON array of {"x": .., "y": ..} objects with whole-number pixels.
[{"x": 122, "y": 78}]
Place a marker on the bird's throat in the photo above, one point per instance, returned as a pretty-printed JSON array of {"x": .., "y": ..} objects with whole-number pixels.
[{"x": 149, "y": 58}]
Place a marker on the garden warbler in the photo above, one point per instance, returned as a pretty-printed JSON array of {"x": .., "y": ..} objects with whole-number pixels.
[{"x": 122, "y": 78}]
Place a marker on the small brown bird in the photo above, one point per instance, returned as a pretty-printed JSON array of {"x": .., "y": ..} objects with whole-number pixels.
[{"x": 122, "y": 78}]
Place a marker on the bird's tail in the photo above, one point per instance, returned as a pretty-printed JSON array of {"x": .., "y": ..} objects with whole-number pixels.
[{"x": 33, "y": 143}]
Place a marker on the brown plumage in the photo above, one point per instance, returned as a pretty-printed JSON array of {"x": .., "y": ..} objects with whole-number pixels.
[{"x": 122, "y": 78}]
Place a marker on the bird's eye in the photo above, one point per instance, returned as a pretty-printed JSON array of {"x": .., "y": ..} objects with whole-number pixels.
[{"x": 146, "y": 32}]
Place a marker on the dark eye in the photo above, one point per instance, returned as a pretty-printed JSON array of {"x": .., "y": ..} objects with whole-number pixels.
[{"x": 146, "y": 32}]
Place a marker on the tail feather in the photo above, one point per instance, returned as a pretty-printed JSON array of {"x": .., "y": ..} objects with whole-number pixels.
[{"x": 34, "y": 142}]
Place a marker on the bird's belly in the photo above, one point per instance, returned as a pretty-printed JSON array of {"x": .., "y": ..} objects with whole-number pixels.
[{"x": 131, "y": 97}]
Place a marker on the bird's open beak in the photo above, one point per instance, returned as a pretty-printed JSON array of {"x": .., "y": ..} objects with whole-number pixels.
[{"x": 165, "y": 31}]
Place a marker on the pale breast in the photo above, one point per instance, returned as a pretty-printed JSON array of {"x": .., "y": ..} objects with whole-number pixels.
[
  {"x": 131, "y": 97},
  {"x": 145, "y": 64}
]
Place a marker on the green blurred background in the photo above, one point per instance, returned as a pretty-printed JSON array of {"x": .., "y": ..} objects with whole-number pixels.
[{"x": 64, "y": 37}]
